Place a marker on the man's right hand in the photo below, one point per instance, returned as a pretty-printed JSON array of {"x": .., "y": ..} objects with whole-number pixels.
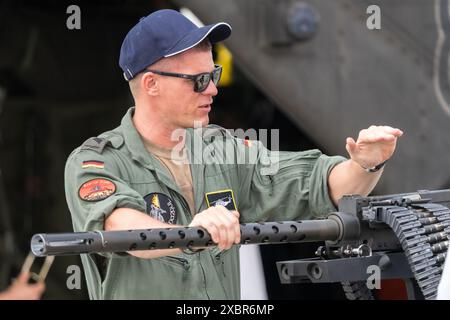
[{"x": 221, "y": 223}]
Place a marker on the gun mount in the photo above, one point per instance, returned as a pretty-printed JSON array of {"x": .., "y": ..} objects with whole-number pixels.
[{"x": 406, "y": 235}]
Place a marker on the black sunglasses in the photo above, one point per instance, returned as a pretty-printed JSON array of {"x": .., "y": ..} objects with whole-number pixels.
[{"x": 201, "y": 80}]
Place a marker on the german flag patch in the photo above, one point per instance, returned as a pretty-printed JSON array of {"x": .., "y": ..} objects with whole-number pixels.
[{"x": 93, "y": 164}]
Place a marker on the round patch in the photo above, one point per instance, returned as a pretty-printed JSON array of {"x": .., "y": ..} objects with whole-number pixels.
[
  {"x": 161, "y": 207},
  {"x": 96, "y": 189}
]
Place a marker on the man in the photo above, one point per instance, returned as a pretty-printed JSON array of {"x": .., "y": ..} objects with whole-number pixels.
[{"x": 128, "y": 178}]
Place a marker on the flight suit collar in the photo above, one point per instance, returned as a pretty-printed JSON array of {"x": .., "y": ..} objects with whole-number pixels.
[
  {"x": 133, "y": 141},
  {"x": 139, "y": 153},
  {"x": 193, "y": 140}
]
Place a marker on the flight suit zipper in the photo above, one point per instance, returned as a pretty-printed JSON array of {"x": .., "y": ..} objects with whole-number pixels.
[
  {"x": 175, "y": 193},
  {"x": 178, "y": 261},
  {"x": 190, "y": 217}
]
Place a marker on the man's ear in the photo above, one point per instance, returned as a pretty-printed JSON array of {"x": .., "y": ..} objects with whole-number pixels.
[{"x": 150, "y": 84}]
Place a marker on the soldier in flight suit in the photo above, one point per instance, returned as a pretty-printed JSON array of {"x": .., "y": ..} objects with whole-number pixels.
[{"x": 168, "y": 64}]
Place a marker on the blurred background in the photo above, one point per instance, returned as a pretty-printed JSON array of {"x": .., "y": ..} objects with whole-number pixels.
[{"x": 318, "y": 70}]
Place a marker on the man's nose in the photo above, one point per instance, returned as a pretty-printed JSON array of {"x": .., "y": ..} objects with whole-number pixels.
[{"x": 211, "y": 90}]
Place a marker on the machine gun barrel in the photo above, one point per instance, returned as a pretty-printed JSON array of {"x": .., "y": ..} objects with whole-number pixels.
[{"x": 182, "y": 237}]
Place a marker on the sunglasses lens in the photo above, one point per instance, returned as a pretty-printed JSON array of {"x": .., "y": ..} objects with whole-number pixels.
[
  {"x": 202, "y": 82},
  {"x": 216, "y": 75}
]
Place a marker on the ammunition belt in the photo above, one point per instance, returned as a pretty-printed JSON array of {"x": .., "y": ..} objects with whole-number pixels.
[{"x": 424, "y": 232}]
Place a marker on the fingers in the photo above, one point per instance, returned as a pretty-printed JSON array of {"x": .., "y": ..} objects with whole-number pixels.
[
  {"x": 379, "y": 134},
  {"x": 229, "y": 227},
  {"x": 387, "y": 133},
  {"x": 393, "y": 131},
  {"x": 237, "y": 228},
  {"x": 377, "y": 137},
  {"x": 221, "y": 224},
  {"x": 203, "y": 220},
  {"x": 372, "y": 136},
  {"x": 23, "y": 277},
  {"x": 350, "y": 146},
  {"x": 235, "y": 213}
]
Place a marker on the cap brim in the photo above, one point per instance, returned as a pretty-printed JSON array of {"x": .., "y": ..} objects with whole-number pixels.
[{"x": 215, "y": 33}]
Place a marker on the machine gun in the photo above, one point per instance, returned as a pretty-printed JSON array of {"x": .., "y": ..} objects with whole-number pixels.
[{"x": 405, "y": 235}]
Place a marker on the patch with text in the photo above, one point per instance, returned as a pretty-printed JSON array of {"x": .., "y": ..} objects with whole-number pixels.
[{"x": 161, "y": 207}]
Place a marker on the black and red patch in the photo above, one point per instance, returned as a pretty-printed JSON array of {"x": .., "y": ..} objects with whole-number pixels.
[{"x": 96, "y": 190}]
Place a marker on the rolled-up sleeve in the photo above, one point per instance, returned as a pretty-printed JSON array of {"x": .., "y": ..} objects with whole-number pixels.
[
  {"x": 320, "y": 202},
  {"x": 285, "y": 185}
]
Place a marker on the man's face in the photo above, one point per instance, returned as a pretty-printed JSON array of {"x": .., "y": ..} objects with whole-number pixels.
[{"x": 178, "y": 105}]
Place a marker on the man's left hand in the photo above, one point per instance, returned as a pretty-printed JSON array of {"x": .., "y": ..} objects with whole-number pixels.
[{"x": 374, "y": 145}]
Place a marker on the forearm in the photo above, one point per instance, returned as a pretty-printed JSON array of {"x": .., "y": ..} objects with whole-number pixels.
[
  {"x": 129, "y": 219},
  {"x": 350, "y": 178}
]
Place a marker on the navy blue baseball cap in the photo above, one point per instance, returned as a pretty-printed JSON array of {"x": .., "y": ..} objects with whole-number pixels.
[{"x": 162, "y": 34}]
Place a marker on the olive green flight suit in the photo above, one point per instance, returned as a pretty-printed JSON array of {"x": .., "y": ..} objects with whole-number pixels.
[{"x": 297, "y": 190}]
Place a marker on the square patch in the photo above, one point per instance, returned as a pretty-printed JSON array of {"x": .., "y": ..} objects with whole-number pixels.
[{"x": 221, "y": 198}]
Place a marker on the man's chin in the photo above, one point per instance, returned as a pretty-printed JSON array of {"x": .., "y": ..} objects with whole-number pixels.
[{"x": 200, "y": 123}]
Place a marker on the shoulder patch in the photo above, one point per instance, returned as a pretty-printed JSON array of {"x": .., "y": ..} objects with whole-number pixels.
[
  {"x": 96, "y": 189},
  {"x": 96, "y": 144}
]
